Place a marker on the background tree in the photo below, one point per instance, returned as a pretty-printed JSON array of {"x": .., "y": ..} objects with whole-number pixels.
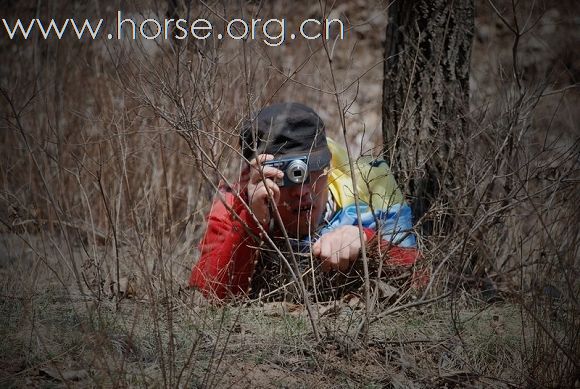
[{"x": 425, "y": 97}]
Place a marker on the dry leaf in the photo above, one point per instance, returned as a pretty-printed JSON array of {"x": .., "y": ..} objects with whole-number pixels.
[
  {"x": 125, "y": 289},
  {"x": 352, "y": 300},
  {"x": 281, "y": 308}
]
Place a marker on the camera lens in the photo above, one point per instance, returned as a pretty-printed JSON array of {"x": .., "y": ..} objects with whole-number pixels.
[{"x": 297, "y": 171}]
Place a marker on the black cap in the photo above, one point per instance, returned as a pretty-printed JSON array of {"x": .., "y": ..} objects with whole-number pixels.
[{"x": 286, "y": 129}]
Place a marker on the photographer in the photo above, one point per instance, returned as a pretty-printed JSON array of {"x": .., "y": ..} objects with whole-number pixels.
[{"x": 292, "y": 171}]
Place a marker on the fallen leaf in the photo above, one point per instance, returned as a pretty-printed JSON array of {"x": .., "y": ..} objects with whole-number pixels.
[
  {"x": 125, "y": 287},
  {"x": 352, "y": 300},
  {"x": 281, "y": 308}
]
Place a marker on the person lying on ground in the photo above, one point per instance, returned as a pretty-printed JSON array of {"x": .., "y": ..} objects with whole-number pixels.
[{"x": 296, "y": 187}]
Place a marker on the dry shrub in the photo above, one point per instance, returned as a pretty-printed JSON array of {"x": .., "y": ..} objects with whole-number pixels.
[{"x": 515, "y": 223}]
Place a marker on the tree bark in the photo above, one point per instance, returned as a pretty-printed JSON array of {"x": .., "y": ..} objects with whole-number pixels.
[{"x": 426, "y": 96}]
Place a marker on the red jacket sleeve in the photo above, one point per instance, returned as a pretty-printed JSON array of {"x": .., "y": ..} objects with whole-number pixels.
[
  {"x": 226, "y": 261},
  {"x": 404, "y": 257},
  {"x": 397, "y": 255}
]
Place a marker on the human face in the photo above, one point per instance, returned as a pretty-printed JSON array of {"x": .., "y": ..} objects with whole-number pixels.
[{"x": 301, "y": 206}]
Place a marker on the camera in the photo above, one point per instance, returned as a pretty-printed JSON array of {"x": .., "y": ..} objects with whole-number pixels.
[{"x": 295, "y": 170}]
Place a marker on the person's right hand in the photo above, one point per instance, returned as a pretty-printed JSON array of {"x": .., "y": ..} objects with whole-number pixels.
[{"x": 260, "y": 183}]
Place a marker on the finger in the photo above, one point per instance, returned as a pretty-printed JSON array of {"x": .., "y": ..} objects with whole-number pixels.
[
  {"x": 344, "y": 259},
  {"x": 256, "y": 163},
  {"x": 272, "y": 172},
  {"x": 273, "y": 189},
  {"x": 337, "y": 258},
  {"x": 258, "y": 172},
  {"x": 316, "y": 248},
  {"x": 325, "y": 255},
  {"x": 265, "y": 189},
  {"x": 325, "y": 249},
  {"x": 260, "y": 159},
  {"x": 354, "y": 250}
]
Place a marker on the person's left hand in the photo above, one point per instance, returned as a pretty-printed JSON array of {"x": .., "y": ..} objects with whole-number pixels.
[{"x": 338, "y": 248}]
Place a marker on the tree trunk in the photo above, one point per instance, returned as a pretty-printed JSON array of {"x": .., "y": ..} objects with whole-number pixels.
[{"x": 426, "y": 96}]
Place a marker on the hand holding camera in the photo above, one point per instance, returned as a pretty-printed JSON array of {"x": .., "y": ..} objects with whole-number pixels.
[
  {"x": 295, "y": 170},
  {"x": 263, "y": 181},
  {"x": 269, "y": 175}
]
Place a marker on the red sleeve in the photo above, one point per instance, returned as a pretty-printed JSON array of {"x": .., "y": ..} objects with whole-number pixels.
[
  {"x": 398, "y": 256},
  {"x": 402, "y": 256},
  {"x": 226, "y": 261}
]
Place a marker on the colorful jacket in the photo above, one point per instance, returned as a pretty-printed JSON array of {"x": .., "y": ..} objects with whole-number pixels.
[{"x": 228, "y": 249}]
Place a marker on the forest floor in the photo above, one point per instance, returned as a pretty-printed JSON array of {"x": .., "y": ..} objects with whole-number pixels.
[{"x": 53, "y": 336}]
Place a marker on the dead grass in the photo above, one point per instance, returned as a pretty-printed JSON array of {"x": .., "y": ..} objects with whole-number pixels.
[{"x": 120, "y": 344}]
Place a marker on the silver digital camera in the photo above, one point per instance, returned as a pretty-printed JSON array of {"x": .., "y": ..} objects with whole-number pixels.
[{"x": 295, "y": 170}]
